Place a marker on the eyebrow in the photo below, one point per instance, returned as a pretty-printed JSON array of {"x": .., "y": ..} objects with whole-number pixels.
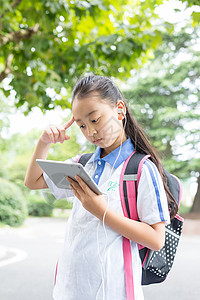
[{"x": 87, "y": 115}]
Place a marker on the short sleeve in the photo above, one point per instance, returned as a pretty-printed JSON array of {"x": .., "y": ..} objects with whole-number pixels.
[
  {"x": 152, "y": 203},
  {"x": 58, "y": 192}
]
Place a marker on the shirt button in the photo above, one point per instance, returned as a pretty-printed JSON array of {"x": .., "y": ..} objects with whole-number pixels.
[
  {"x": 99, "y": 162},
  {"x": 96, "y": 176}
]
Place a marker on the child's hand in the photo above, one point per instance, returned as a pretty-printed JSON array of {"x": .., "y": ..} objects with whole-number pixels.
[
  {"x": 55, "y": 134},
  {"x": 95, "y": 204}
]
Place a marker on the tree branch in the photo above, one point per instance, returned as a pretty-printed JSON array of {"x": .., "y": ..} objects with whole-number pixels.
[
  {"x": 7, "y": 69},
  {"x": 18, "y": 35}
]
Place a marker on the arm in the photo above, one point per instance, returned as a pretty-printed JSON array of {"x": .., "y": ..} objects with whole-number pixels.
[
  {"x": 151, "y": 236},
  {"x": 34, "y": 176}
]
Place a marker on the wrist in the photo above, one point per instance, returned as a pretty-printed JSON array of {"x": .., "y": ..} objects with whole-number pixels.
[
  {"x": 102, "y": 214},
  {"x": 42, "y": 143},
  {"x": 41, "y": 149}
]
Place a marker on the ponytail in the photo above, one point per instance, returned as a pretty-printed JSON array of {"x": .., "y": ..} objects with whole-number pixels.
[{"x": 142, "y": 145}]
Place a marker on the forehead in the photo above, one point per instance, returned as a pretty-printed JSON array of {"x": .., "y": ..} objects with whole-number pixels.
[{"x": 82, "y": 108}]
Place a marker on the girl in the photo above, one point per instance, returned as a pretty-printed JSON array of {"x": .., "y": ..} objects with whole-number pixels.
[{"x": 91, "y": 264}]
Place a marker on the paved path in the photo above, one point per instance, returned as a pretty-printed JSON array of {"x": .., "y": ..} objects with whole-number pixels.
[
  {"x": 30, "y": 278},
  {"x": 28, "y": 257}
]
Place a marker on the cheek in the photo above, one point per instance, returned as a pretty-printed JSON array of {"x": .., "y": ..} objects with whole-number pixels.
[
  {"x": 110, "y": 128},
  {"x": 83, "y": 131}
]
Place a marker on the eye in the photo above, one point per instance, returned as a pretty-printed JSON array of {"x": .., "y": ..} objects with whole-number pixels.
[{"x": 94, "y": 121}]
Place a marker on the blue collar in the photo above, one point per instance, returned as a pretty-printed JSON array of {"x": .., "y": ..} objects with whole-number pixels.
[{"x": 126, "y": 149}]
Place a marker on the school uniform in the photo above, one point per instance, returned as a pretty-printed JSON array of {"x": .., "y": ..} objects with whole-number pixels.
[{"x": 79, "y": 272}]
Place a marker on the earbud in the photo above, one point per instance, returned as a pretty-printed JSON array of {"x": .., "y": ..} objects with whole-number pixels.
[{"x": 120, "y": 111}]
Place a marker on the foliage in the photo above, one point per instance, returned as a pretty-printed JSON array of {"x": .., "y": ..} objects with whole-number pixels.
[
  {"x": 37, "y": 206},
  {"x": 192, "y": 2},
  {"x": 13, "y": 210},
  {"x": 196, "y": 13},
  {"x": 4, "y": 110},
  {"x": 184, "y": 209},
  {"x": 46, "y": 45},
  {"x": 16, "y": 155},
  {"x": 165, "y": 99},
  {"x": 165, "y": 95},
  {"x": 63, "y": 204}
]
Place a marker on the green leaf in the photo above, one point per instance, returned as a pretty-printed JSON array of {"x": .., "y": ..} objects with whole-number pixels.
[{"x": 196, "y": 17}]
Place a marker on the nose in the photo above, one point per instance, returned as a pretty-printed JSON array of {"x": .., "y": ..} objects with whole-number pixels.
[{"x": 91, "y": 131}]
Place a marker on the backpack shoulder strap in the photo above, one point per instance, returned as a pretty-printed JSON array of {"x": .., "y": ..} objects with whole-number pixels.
[
  {"x": 128, "y": 186},
  {"x": 84, "y": 158},
  {"x": 129, "y": 181}
]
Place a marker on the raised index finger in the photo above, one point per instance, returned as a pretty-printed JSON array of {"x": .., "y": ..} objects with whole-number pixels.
[{"x": 69, "y": 123}]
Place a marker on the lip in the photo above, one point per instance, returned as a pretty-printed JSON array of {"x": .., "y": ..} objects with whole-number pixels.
[{"x": 97, "y": 141}]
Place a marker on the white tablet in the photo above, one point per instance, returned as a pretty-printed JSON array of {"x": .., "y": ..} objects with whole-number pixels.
[{"x": 59, "y": 170}]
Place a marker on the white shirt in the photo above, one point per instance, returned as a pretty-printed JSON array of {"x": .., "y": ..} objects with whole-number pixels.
[{"x": 79, "y": 274}]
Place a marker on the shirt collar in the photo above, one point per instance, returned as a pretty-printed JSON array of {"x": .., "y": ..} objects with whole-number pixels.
[{"x": 126, "y": 149}]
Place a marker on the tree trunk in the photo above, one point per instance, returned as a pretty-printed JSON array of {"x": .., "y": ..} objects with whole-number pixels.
[{"x": 196, "y": 204}]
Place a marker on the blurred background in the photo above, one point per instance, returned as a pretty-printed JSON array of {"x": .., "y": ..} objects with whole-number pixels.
[{"x": 151, "y": 49}]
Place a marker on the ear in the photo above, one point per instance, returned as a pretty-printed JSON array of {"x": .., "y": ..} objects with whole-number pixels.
[{"x": 121, "y": 110}]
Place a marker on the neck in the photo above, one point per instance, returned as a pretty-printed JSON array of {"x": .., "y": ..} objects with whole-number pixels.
[{"x": 115, "y": 145}]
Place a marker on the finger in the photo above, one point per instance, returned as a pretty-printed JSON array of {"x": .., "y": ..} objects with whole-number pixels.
[
  {"x": 55, "y": 133},
  {"x": 70, "y": 179},
  {"x": 76, "y": 186},
  {"x": 73, "y": 182},
  {"x": 50, "y": 134},
  {"x": 69, "y": 123},
  {"x": 61, "y": 133},
  {"x": 76, "y": 193},
  {"x": 67, "y": 137}
]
